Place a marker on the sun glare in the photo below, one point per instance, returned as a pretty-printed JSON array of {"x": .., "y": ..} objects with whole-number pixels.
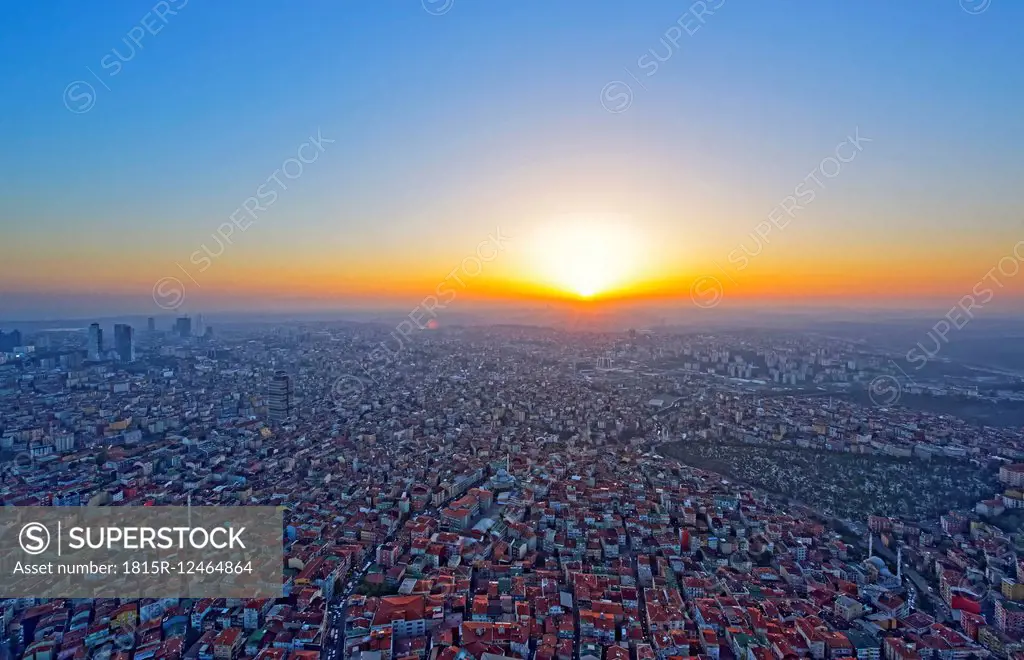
[{"x": 586, "y": 256}]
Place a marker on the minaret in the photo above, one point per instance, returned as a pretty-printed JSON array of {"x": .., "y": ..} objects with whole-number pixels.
[
  {"x": 871, "y": 540},
  {"x": 899, "y": 563}
]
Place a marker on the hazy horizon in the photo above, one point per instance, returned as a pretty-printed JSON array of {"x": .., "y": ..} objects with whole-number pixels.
[{"x": 681, "y": 312}]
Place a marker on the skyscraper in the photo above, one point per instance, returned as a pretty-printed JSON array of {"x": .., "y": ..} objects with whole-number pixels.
[
  {"x": 279, "y": 402},
  {"x": 124, "y": 342},
  {"x": 199, "y": 326},
  {"x": 94, "y": 347},
  {"x": 183, "y": 326},
  {"x": 151, "y": 324},
  {"x": 9, "y": 341}
]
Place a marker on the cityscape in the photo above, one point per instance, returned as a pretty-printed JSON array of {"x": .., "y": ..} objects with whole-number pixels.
[
  {"x": 527, "y": 492},
  {"x": 461, "y": 330}
]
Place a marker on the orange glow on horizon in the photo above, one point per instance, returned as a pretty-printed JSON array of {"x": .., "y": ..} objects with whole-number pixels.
[
  {"x": 885, "y": 285},
  {"x": 589, "y": 260}
]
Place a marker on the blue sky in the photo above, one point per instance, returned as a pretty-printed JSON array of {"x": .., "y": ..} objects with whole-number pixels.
[{"x": 491, "y": 111}]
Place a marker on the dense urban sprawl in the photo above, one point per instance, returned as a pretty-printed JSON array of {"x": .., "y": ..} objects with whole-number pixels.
[{"x": 480, "y": 493}]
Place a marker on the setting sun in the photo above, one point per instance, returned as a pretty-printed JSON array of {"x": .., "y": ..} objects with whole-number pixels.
[{"x": 585, "y": 256}]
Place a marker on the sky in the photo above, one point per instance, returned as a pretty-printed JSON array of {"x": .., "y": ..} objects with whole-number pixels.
[{"x": 735, "y": 150}]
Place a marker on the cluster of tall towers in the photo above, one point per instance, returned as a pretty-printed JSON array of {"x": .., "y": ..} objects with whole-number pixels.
[{"x": 124, "y": 343}]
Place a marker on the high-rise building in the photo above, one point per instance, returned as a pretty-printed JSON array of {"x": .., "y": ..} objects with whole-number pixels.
[
  {"x": 151, "y": 324},
  {"x": 279, "y": 402},
  {"x": 124, "y": 342},
  {"x": 199, "y": 327},
  {"x": 72, "y": 360},
  {"x": 183, "y": 326},
  {"x": 94, "y": 347},
  {"x": 9, "y": 341}
]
